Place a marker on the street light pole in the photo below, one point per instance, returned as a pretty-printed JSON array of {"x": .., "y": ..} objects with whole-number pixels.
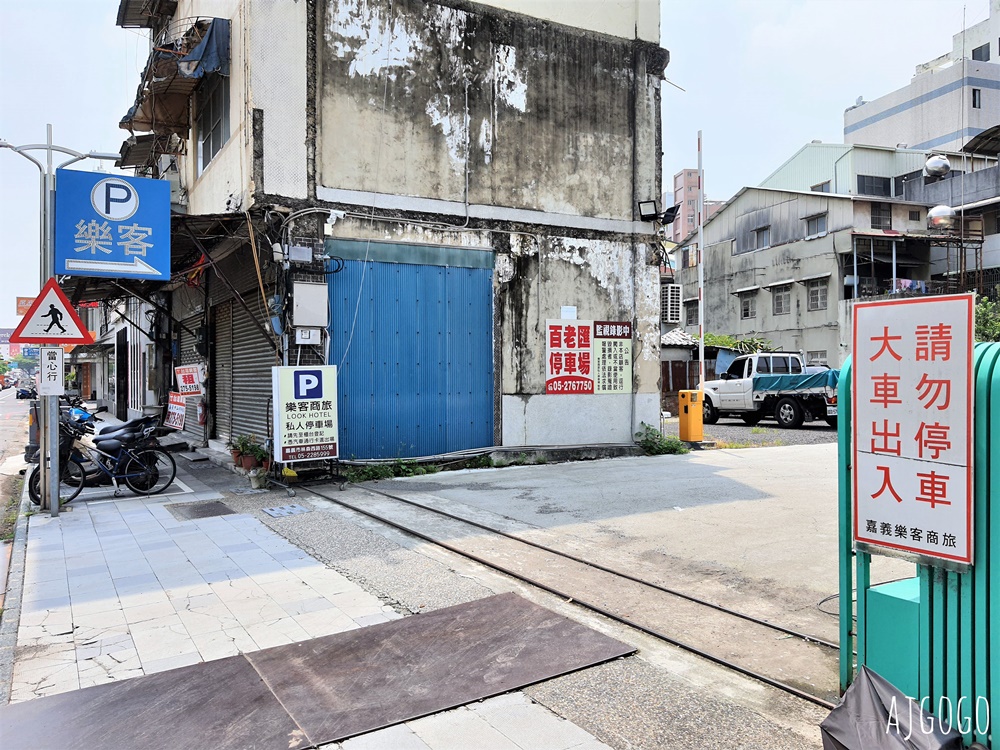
[{"x": 48, "y": 427}]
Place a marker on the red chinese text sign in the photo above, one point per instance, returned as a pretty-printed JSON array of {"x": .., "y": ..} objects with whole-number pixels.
[
  {"x": 569, "y": 356},
  {"x": 912, "y": 399}
]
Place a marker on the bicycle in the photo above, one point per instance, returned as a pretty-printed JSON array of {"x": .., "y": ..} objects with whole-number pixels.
[{"x": 122, "y": 456}]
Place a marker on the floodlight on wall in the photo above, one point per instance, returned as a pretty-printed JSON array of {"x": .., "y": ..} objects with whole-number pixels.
[{"x": 649, "y": 211}]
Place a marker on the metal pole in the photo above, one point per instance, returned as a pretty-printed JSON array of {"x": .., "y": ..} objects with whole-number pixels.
[
  {"x": 894, "y": 266},
  {"x": 42, "y": 410},
  {"x": 51, "y": 410},
  {"x": 48, "y": 406},
  {"x": 701, "y": 273},
  {"x": 854, "y": 244}
]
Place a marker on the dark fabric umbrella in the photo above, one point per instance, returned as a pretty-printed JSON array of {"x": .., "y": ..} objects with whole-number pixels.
[{"x": 875, "y": 715}]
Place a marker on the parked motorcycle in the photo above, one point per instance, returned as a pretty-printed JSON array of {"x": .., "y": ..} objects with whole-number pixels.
[{"x": 26, "y": 391}]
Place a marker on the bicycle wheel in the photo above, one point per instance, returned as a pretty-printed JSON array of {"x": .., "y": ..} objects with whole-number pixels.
[
  {"x": 149, "y": 471},
  {"x": 71, "y": 483}
]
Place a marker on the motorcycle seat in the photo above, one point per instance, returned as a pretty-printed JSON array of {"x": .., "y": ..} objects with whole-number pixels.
[{"x": 132, "y": 424}]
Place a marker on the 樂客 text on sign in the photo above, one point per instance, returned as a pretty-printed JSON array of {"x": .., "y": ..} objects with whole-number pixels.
[
  {"x": 912, "y": 402},
  {"x": 107, "y": 225},
  {"x": 305, "y": 413}
]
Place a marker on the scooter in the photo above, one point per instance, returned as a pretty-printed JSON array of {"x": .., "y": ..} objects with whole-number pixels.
[{"x": 26, "y": 391}]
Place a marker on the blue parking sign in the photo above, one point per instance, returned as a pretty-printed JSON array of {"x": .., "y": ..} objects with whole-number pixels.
[{"x": 107, "y": 225}]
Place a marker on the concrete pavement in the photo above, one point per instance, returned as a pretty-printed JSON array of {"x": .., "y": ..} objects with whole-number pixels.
[{"x": 116, "y": 588}]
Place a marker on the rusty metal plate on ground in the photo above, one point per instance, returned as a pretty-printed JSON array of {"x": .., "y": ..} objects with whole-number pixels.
[
  {"x": 221, "y": 704},
  {"x": 319, "y": 691},
  {"x": 349, "y": 683},
  {"x": 191, "y": 511}
]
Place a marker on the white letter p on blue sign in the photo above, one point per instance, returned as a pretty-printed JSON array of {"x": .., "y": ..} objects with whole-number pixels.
[{"x": 309, "y": 384}]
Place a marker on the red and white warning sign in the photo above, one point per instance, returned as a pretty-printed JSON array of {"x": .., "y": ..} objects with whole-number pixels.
[{"x": 51, "y": 320}]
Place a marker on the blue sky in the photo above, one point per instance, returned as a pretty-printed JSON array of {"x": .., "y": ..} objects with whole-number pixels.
[
  {"x": 765, "y": 77},
  {"x": 762, "y": 78}
]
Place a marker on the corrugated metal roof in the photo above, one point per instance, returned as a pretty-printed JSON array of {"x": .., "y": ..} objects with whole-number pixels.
[{"x": 987, "y": 142}]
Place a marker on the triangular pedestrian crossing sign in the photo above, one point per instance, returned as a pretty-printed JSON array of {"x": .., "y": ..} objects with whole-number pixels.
[{"x": 51, "y": 320}]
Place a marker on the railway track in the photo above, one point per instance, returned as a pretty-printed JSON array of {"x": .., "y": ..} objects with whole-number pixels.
[{"x": 800, "y": 664}]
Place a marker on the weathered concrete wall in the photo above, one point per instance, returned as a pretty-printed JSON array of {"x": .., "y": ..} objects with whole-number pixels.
[
  {"x": 630, "y": 19},
  {"x": 604, "y": 280},
  {"x": 791, "y": 257},
  {"x": 484, "y": 108},
  {"x": 224, "y": 185}
]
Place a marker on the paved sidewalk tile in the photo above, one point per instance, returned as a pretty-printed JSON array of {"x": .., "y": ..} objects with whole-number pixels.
[{"x": 120, "y": 588}]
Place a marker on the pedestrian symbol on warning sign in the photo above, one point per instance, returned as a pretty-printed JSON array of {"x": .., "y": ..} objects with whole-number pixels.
[
  {"x": 56, "y": 317},
  {"x": 51, "y": 310}
]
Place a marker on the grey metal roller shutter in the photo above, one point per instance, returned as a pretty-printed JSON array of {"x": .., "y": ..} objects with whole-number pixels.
[
  {"x": 222, "y": 370},
  {"x": 253, "y": 358}
]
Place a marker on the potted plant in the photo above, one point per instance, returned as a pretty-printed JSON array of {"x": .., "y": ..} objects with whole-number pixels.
[
  {"x": 233, "y": 444},
  {"x": 249, "y": 458}
]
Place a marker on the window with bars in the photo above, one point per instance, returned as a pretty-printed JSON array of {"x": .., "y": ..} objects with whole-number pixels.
[
  {"x": 781, "y": 299},
  {"x": 691, "y": 313},
  {"x": 816, "y": 357},
  {"x": 213, "y": 118},
  {"x": 670, "y": 303},
  {"x": 817, "y": 294},
  {"x": 748, "y": 305},
  {"x": 870, "y": 185},
  {"x": 881, "y": 216}
]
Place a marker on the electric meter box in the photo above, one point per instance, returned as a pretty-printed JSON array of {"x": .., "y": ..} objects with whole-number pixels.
[{"x": 310, "y": 305}]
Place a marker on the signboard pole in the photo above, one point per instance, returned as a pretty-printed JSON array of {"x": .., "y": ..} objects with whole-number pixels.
[
  {"x": 49, "y": 435},
  {"x": 48, "y": 432}
]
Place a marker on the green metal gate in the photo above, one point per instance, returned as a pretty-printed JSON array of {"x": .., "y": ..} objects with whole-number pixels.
[{"x": 956, "y": 614}]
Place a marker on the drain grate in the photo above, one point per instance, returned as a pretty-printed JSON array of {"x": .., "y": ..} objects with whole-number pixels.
[
  {"x": 192, "y": 511},
  {"x": 286, "y": 510}
]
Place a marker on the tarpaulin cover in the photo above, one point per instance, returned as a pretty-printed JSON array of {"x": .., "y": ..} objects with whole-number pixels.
[
  {"x": 875, "y": 715},
  {"x": 827, "y": 378},
  {"x": 163, "y": 100},
  {"x": 212, "y": 53}
]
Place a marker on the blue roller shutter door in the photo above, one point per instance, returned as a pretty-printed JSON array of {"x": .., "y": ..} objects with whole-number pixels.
[{"x": 417, "y": 378}]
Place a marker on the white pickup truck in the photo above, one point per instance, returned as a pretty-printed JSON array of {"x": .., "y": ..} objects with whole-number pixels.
[{"x": 773, "y": 384}]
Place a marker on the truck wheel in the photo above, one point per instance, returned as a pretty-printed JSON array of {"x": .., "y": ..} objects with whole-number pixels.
[
  {"x": 788, "y": 413},
  {"x": 751, "y": 418},
  {"x": 709, "y": 414},
  {"x": 832, "y": 421}
]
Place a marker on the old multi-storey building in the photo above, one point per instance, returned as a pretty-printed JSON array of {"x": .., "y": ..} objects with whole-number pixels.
[
  {"x": 408, "y": 190},
  {"x": 785, "y": 260},
  {"x": 949, "y": 100}
]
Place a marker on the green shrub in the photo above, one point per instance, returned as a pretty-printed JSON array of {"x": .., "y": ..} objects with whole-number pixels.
[{"x": 655, "y": 443}]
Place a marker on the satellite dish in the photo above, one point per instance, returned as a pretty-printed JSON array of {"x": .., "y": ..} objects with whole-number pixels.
[{"x": 937, "y": 165}]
